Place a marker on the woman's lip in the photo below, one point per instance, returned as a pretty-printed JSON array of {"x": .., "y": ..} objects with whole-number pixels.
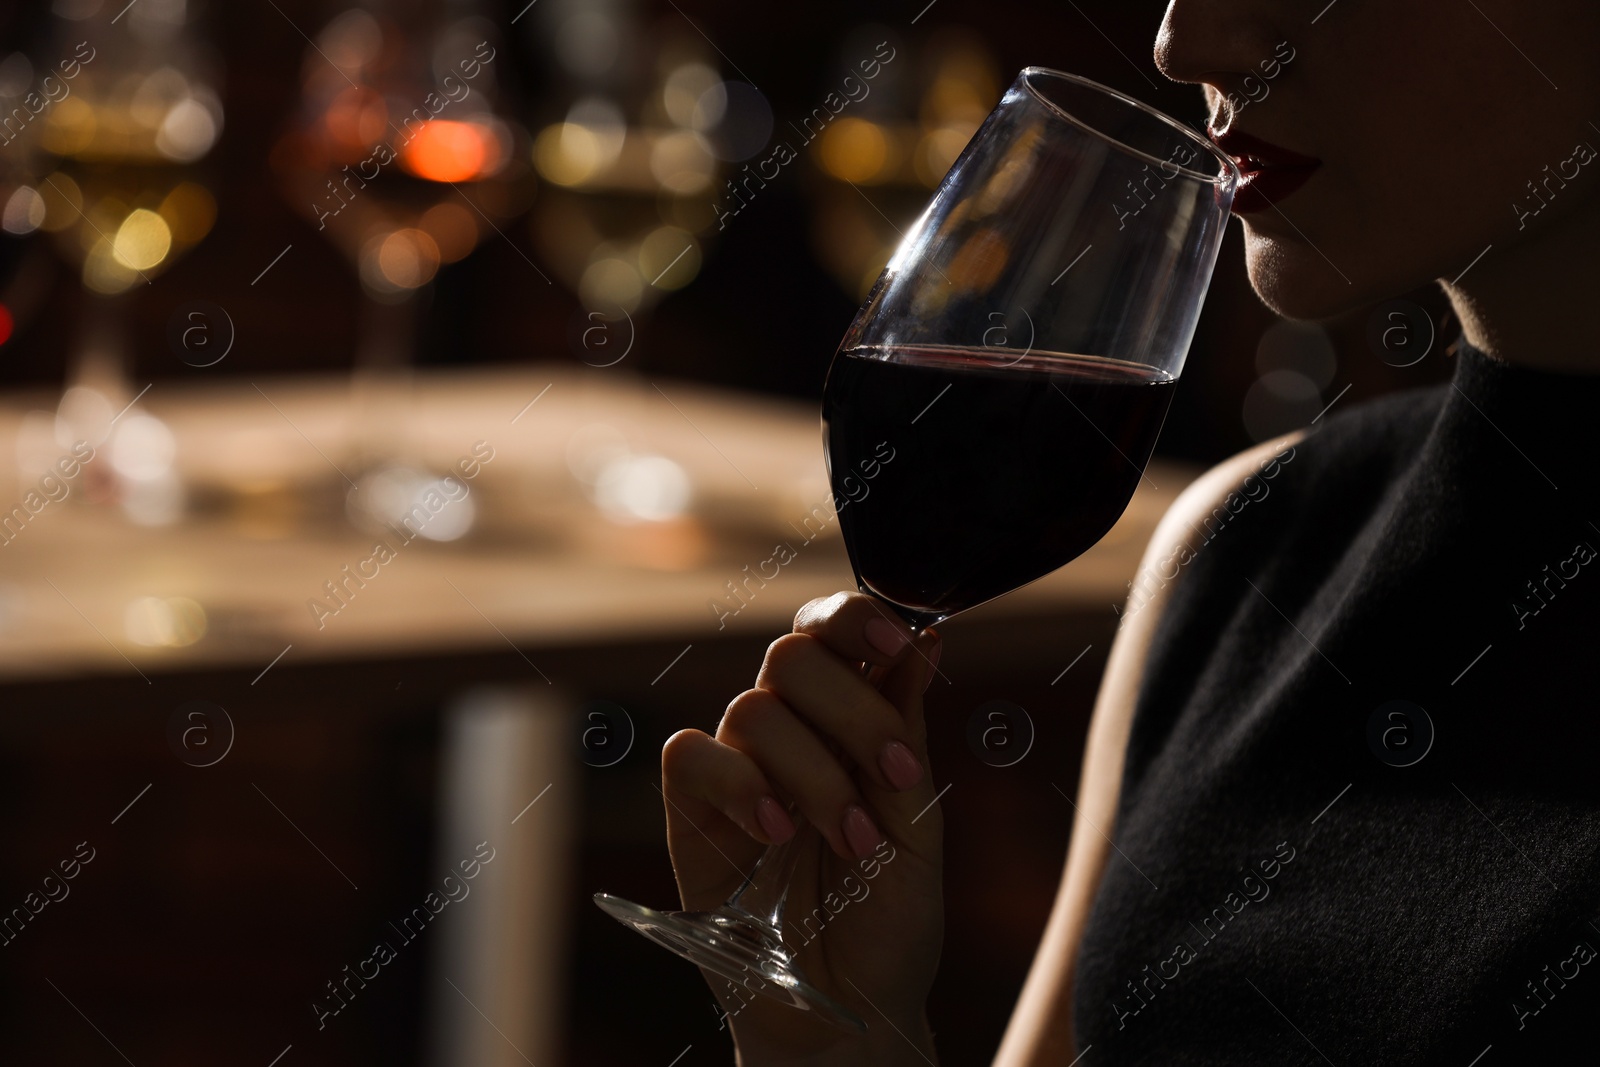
[
  {"x": 1268, "y": 173},
  {"x": 1243, "y": 148},
  {"x": 1261, "y": 189}
]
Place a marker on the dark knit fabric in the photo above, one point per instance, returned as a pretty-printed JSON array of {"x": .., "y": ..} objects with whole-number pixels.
[{"x": 1283, "y": 891}]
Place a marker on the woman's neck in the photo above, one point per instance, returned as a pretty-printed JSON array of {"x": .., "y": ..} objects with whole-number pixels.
[{"x": 1533, "y": 303}]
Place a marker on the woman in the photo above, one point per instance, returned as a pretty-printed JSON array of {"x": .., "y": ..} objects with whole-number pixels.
[{"x": 1347, "y": 753}]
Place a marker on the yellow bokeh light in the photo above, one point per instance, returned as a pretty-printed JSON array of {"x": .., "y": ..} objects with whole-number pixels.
[
  {"x": 682, "y": 162},
  {"x": 609, "y": 283},
  {"x": 164, "y": 622},
  {"x": 569, "y": 153},
  {"x": 682, "y": 92},
  {"x": 956, "y": 98},
  {"x": 965, "y": 85},
  {"x": 854, "y": 150},
  {"x": 142, "y": 241}
]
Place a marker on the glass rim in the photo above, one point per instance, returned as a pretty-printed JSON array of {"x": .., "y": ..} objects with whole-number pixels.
[{"x": 1230, "y": 169}]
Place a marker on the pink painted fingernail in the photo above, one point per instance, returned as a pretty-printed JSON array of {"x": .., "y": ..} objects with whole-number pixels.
[
  {"x": 859, "y": 832},
  {"x": 884, "y": 636},
  {"x": 774, "y": 820},
  {"x": 899, "y": 765}
]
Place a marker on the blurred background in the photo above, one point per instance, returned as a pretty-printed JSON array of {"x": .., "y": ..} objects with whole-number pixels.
[{"x": 400, "y": 401}]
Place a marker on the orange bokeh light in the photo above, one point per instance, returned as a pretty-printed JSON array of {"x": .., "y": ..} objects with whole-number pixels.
[{"x": 444, "y": 151}]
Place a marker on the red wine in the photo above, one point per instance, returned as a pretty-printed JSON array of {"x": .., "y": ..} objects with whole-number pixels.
[{"x": 959, "y": 475}]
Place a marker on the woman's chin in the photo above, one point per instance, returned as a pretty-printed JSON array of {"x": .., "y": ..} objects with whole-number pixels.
[{"x": 1297, "y": 282}]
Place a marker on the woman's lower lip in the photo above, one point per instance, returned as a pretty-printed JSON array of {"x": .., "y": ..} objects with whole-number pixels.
[{"x": 1262, "y": 189}]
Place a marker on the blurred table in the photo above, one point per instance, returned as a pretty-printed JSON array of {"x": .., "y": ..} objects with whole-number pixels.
[{"x": 266, "y": 465}]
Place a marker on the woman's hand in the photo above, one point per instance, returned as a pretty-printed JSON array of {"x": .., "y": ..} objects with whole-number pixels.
[{"x": 865, "y": 908}]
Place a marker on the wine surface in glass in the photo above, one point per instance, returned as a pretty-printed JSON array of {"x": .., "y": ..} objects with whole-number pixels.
[{"x": 1002, "y": 468}]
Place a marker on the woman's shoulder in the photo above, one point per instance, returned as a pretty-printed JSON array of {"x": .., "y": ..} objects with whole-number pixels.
[
  {"x": 1299, "y": 501},
  {"x": 1337, "y": 469},
  {"x": 1362, "y": 446},
  {"x": 1367, "y": 442}
]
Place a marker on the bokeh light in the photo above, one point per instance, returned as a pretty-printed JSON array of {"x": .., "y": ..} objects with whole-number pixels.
[
  {"x": 399, "y": 261},
  {"x": 583, "y": 147},
  {"x": 24, "y": 211},
  {"x": 611, "y": 282},
  {"x": 187, "y": 132},
  {"x": 449, "y": 151},
  {"x": 142, "y": 241},
  {"x": 682, "y": 162},
  {"x": 693, "y": 96},
  {"x": 413, "y": 502},
  {"x": 142, "y": 447},
  {"x": 854, "y": 150},
  {"x": 164, "y": 622},
  {"x": 633, "y": 489},
  {"x": 84, "y": 414}
]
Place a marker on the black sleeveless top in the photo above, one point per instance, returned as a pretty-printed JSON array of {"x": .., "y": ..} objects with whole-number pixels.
[{"x": 1360, "y": 816}]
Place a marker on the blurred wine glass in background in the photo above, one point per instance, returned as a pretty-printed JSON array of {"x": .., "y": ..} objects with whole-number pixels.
[
  {"x": 879, "y": 161},
  {"x": 120, "y": 113},
  {"x": 644, "y": 130},
  {"x": 402, "y": 159},
  {"x": 638, "y": 138}
]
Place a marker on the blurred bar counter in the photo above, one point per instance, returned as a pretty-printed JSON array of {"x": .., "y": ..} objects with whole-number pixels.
[{"x": 611, "y": 544}]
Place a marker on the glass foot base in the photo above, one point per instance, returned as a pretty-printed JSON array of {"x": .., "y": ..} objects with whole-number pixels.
[{"x": 736, "y": 945}]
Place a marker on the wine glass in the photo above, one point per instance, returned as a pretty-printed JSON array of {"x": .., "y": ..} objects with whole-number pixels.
[
  {"x": 117, "y": 178},
  {"x": 632, "y": 163},
  {"x": 881, "y": 159},
  {"x": 400, "y": 154},
  {"x": 993, "y": 405}
]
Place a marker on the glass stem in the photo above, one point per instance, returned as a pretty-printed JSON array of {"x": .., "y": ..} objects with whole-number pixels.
[
  {"x": 765, "y": 889},
  {"x": 101, "y": 362},
  {"x": 380, "y": 382}
]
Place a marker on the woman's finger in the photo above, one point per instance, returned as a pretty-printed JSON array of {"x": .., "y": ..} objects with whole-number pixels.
[
  {"x": 834, "y": 697},
  {"x": 699, "y": 767},
  {"x": 791, "y": 755},
  {"x": 903, "y": 813},
  {"x": 855, "y": 626}
]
